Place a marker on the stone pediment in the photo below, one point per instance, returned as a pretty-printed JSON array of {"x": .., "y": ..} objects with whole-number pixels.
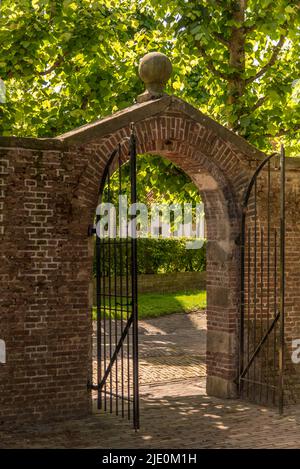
[{"x": 141, "y": 111}]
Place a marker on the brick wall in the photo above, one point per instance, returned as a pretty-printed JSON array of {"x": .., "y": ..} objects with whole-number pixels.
[
  {"x": 176, "y": 281},
  {"x": 44, "y": 283},
  {"x": 163, "y": 283}
]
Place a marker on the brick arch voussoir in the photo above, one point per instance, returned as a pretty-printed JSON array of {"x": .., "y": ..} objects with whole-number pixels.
[
  {"x": 171, "y": 133},
  {"x": 185, "y": 142}
]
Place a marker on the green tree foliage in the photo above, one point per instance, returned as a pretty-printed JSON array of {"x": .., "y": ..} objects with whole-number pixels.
[
  {"x": 158, "y": 181},
  {"x": 67, "y": 62},
  {"x": 242, "y": 64}
]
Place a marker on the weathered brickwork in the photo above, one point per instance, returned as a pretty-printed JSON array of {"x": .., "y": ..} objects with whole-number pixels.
[
  {"x": 262, "y": 291},
  {"x": 49, "y": 193},
  {"x": 44, "y": 316}
]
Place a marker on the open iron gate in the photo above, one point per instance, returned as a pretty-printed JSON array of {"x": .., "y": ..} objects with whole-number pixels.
[
  {"x": 261, "y": 357},
  {"x": 116, "y": 292}
]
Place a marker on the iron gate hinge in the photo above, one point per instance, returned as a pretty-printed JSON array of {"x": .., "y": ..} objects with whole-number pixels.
[
  {"x": 238, "y": 240},
  {"x": 91, "y": 230}
]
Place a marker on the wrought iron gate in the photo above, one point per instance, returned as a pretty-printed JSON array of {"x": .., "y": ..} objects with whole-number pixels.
[
  {"x": 261, "y": 358},
  {"x": 116, "y": 292}
]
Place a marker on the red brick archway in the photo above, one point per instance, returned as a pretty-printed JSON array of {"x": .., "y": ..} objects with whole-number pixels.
[
  {"x": 215, "y": 169},
  {"x": 49, "y": 192}
]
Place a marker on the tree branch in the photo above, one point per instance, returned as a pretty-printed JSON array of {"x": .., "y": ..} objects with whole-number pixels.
[
  {"x": 84, "y": 102},
  {"x": 271, "y": 62},
  {"x": 214, "y": 2},
  {"x": 249, "y": 29},
  {"x": 221, "y": 39},
  {"x": 56, "y": 64},
  {"x": 210, "y": 65},
  {"x": 282, "y": 132},
  {"x": 258, "y": 103}
]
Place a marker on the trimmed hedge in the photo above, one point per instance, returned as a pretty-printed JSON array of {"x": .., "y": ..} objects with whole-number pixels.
[{"x": 161, "y": 256}]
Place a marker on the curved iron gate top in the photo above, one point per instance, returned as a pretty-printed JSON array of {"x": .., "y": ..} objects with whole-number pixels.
[
  {"x": 116, "y": 292},
  {"x": 261, "y": 356}
]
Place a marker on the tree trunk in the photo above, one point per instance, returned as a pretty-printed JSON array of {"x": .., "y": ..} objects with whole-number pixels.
[{"x": 236, "y": 84}]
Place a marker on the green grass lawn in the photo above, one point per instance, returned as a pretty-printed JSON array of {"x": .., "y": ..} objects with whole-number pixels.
[{"x": 152, "y": 305}]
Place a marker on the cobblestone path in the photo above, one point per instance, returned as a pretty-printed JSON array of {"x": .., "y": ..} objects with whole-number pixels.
[{"x": 175, "y": 410}]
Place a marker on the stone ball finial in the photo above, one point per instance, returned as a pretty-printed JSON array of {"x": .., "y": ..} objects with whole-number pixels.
[{"x": 155, "y": 70}]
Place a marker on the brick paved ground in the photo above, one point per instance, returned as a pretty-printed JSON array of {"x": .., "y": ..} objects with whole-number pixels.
[
  {"x": 170, "y": 348},
  {"x": 175, "y": 411}
]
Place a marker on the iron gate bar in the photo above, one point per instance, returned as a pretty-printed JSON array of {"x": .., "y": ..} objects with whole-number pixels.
[
  {"x": 116, "y": 325},
  {"x": 115, "y": 354},
  {"x": 282, "y": 276},
  {"x": 104, "y": 318},
  {"x": 259, "y": 346},
  {"x": 118, "y": 396},
  {"x": 268, "y": 268},
  {"x": 261, "y": 295},
  {"x": 259, "y": 383},
  {"x": 134, "y": 283},
  {"x": 98, "y": 304},
  {"x": 109, "y": 300},
  {"x": 127, "y": 317},
  {"x": 121, "y": 289},
  {"x": 248, "y": 309},
  {"x": 255, "y": 275},
  {"x": 275, "y": 298}
]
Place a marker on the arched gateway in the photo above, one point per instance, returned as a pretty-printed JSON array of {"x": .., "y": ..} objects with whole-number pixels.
[{"x": 50, "y": 190}]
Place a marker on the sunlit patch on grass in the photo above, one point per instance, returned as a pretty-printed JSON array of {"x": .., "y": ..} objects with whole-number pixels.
[{"x": 152, "y": 305}]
